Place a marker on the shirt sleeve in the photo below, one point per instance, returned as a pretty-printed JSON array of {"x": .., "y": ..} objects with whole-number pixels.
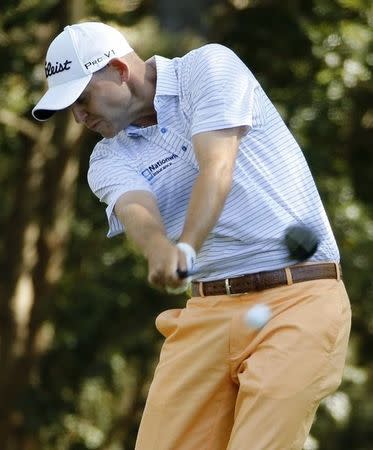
[
  {"x": 109, "y": 176},
  {"x": 222, "y": 90}
]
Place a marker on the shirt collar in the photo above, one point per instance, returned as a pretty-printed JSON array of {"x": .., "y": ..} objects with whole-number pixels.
[
  {"x": 136, "y": 131},
  {"x": 166, "y": 86},
  {"x": 166, "y": 76}
]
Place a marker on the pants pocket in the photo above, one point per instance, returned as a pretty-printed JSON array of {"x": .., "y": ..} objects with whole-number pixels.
[{"x": 167, "y": 321}]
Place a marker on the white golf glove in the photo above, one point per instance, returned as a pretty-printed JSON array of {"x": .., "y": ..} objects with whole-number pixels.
[{"x": 190, "y": 255}]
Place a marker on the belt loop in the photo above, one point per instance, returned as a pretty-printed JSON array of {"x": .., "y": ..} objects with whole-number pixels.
[
  {"x": 227, "y": 287},
  {"x": 337, "y": 271},
  {"x": 200, "y": 289},
  {"x": 289, "y": 277}
]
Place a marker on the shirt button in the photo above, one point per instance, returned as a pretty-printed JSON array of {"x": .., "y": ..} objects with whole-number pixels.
[
  {"x": 163, "y": 130},
  {"x": 184, "y": 147}
]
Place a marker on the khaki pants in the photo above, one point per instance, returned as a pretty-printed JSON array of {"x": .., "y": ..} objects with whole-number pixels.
[{"x": 220, "y": 385}]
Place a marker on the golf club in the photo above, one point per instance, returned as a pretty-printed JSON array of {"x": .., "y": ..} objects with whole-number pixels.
[{"x": 300, "y": 240}]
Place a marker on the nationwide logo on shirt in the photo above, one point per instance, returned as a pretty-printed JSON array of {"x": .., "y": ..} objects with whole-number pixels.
[{"x": 158, "y": 167}]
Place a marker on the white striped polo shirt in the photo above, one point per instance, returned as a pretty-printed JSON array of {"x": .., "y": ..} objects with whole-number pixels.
[{"x": 210, "y": 89}]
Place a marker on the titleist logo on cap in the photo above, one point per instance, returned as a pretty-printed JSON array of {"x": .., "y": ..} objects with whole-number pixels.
[{"x": 52, "y": 69}]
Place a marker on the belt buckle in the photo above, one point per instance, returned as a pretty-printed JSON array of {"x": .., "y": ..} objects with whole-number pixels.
[{"x": 228, "y": 288}]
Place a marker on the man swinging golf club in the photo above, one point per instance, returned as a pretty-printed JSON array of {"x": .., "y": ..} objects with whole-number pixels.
[{"x": 200, "y": 171}]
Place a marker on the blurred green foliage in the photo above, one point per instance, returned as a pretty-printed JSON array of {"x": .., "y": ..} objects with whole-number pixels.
[{"x": 79, "y": 379}]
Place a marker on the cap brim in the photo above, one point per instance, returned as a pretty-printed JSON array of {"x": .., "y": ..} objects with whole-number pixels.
[{"x": 59, "y": 97}]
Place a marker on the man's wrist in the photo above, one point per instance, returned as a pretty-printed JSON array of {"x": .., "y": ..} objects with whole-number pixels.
[
  {"x": 190, "y": 255},
  {"x": 187, "y": 249}
]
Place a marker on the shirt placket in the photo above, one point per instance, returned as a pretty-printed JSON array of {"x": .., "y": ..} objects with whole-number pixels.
[
  {"x": 175, "y": 143},
  {"x": 168, "y": 138}
]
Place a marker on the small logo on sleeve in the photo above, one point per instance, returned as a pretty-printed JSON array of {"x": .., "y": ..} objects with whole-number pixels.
[{"x": 154, "y": 169}]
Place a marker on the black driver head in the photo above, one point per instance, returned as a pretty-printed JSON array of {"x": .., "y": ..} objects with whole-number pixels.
[{"x": 301, "y": 242}]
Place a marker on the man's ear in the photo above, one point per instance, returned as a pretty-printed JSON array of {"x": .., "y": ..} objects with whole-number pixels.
[{"x": 121, "y": 67}]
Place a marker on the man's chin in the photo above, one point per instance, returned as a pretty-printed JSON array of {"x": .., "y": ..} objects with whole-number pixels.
[{"x": 107, "y": 133}]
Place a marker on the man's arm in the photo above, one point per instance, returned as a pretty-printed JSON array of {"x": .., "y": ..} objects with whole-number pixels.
[
  {"x": 139, "y": 213},
  {"x": 216, "y": 153}
]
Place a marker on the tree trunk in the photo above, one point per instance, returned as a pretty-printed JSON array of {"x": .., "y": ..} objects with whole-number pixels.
[{"x": 34, "y": 240}]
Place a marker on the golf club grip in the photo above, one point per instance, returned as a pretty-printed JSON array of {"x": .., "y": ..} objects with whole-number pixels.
[
  {"x": 185, "y": 273},
  {"x": 182, "y": 274}
]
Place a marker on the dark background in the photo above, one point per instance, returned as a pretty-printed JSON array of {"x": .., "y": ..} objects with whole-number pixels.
[{"x": 77, "y": 340}]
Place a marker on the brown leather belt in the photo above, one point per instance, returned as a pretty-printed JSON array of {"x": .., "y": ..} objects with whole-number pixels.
[{"x": 267, "y": 280}]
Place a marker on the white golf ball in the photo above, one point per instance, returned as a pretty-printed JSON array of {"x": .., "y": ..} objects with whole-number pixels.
[{"x": 257, "y": 316}]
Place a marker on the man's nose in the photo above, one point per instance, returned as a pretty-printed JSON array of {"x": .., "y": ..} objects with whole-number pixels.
[{"x": 79, "y": 113}]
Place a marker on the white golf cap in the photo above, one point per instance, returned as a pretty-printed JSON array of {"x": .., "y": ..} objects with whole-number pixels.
[{"x": 72, "y": 58}]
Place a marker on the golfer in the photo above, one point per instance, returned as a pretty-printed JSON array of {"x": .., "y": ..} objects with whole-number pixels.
[{"x": 197, "y": 167}]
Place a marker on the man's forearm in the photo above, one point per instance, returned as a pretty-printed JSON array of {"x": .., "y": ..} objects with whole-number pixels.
[
  {"x": 141, "y": 226},
  {"x": 208, "y": 197},
  {"x": 141, "y": 218},
  {"x": 216, "y": 153}
]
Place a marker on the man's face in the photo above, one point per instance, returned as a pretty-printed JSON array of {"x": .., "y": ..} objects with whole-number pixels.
[{"x": 104, "y": 105}]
